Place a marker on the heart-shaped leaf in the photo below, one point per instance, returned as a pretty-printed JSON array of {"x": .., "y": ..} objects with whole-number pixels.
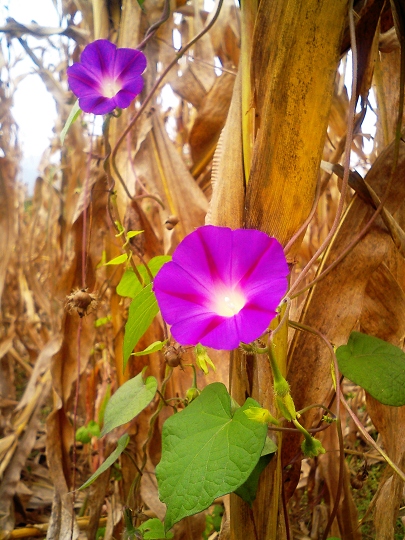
[
  {"x": 375, "y": 365},
  {"x": 207, "y": 452},
  {"x": 247, "y": 491}
]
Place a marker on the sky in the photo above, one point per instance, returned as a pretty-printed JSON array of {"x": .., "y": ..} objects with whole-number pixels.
[{"x": 34, "y": 108}]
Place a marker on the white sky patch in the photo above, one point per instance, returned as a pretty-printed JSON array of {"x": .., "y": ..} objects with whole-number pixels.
[
  {"x": 168, "y": 98},
  {"x": 34, "y": 108},
  {"x": 209, "y": 5},
  {"x": 35, "y": 113},
  {"x": 369, "y": 123},
  {"x": 218, "y": 66},
  {"x": 176, "y": 39}
]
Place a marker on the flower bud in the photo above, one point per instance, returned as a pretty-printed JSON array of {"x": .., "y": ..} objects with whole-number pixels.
[
  {"x": 202, "y": 358},
  {"x": 312, "y": 447},
  {"x": 287, "y": 407},
  {"x": 281, "y": 387},
  {"x": 260, "y": 415},
  {"x": 192, "y": 393}
]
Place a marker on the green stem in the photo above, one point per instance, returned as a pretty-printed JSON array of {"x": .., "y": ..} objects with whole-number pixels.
[
  {"x": 112, "y": 205},
  {"x": 281, "y": 386}
]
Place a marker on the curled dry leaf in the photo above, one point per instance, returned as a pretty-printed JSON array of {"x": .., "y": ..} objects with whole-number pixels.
[{"x": 210, "y": 119}]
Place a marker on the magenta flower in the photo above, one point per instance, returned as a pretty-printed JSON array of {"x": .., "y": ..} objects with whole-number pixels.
[
  {"x": 106, "y": 77},
  {"x": 222, "y": 286}
]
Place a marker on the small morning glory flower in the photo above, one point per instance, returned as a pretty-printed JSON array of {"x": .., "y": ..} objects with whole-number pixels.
[
  {"x": 222, "y": 286},
  {"x": 106, "y": 77}
]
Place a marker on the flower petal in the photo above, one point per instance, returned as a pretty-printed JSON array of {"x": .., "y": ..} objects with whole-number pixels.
[
  {"x": 253, "y": 322},
  {"x": 99, "y": 58},
  {"x": 255, "y": 256},
  {"x": 208, "y": 329},
  {"x": 129, "y": 92},
  {"x": 256, "y": 280},
  {"x": 128, "y": 63},
  {"x": 81, "y": 82},
  {"x": 179, "y": 295},
  {"x": 97, "y": 104},
  {"x": 206, "y": 255}
]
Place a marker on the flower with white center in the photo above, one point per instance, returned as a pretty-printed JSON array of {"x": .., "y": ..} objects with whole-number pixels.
[
  {"x": 222, "y": 286},
  {"x": 106, "y": 77}
]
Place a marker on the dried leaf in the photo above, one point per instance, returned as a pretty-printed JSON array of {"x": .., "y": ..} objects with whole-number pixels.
[
  {"x": 227, "y": 202},
  {"x": 211, "y": 118},
  {"x": 8, "y": 172},
  {"x": 334, "y": 306}
]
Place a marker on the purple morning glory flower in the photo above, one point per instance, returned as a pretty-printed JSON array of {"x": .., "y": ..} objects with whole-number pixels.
[
  {"x": 106, "y": 77},
  {"x": 222, "y": 286}
]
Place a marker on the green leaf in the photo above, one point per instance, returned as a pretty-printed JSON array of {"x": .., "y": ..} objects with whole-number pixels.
[
  {"x": 103, "y": 405},
  {"x": 131, "y": 234},
  {"x": 122, "y": 444},
  {"x": 142, "y": 311},
  {"x": 74, "y": 114},
  {"x": 153, "y": 529},
  {"x": 118, "y": 260},
  {"x": 247, "y": 491},
  {"x": 375, "y": 365},
  {"x": 206, "y": 453},
  {"x": 128, "y": 401},
  {"x": 154, "y": 347},
  {"x": 129, "y": 284}
]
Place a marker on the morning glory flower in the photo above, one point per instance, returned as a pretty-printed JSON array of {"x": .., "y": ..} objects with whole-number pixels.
[
  {"x": 106, "y": 77},
  {"x": 222, "y": 286}
]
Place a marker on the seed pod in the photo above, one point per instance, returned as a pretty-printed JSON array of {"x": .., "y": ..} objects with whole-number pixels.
[
  {"x": 171, "y": 222},
  {"x": 173, "y": 356},
  {"x": 81, "y": 301}
]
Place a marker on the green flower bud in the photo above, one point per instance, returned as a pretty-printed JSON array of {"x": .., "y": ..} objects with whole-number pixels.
[
  {"x": 281, "y": 387},
  {"x": 82, "y": 435},
  {"x": 192, "y": 393},
  {"x": 260, "y": 415},
  {"x": 85, "y": 433},
  {"x": 286, "y": 406},
  {"x": 312, "y": 447},
  {"x": 93, "y": 428},
  {"x": 202, "y": 358}
]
